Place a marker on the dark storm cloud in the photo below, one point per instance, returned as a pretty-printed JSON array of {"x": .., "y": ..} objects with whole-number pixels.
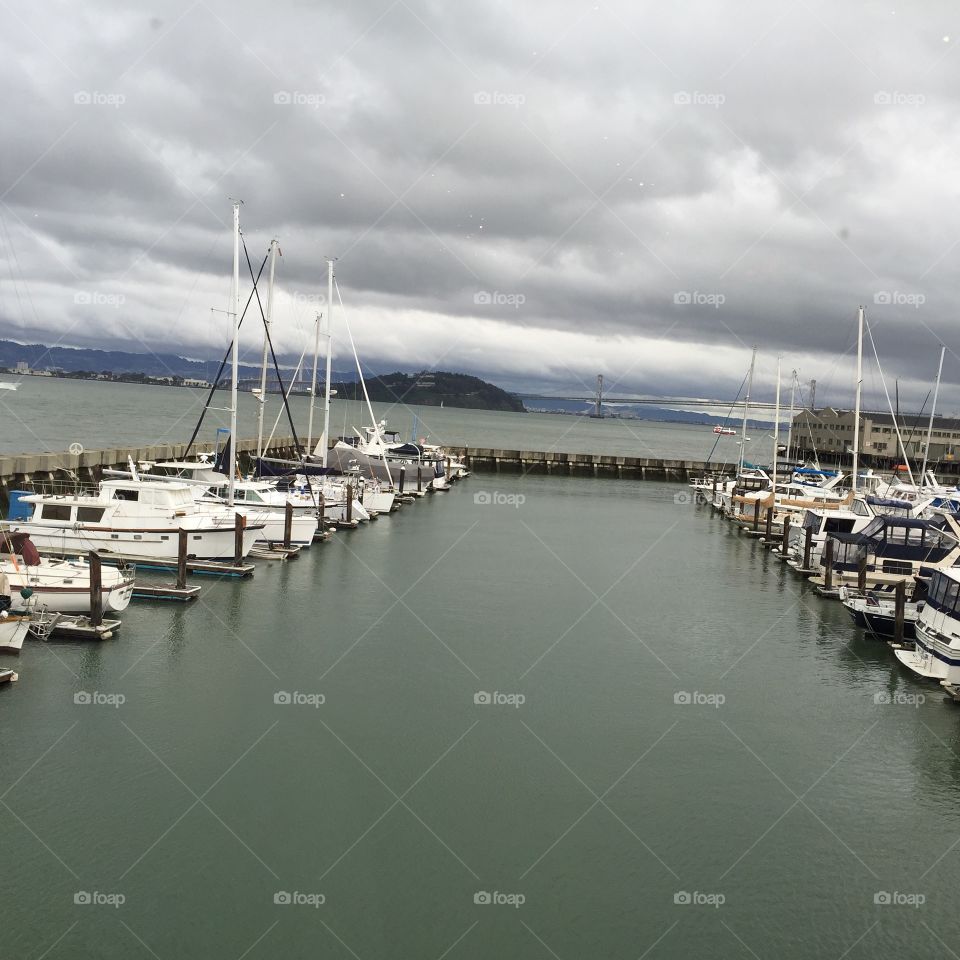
[{"x": 537, "y": 193}]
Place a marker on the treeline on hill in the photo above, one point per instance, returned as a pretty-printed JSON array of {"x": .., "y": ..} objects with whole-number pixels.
[{"x": 432, "y": 389}]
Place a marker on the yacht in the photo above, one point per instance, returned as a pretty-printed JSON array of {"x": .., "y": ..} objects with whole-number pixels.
[
  {"x": 128, "y": 518},
  {"x": 936, "y": 655}
]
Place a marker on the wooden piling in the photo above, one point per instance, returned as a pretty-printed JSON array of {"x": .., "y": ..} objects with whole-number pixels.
[
  {"x": 828, "y": 564},
  {"x": 769, "y": 529},
  {"x": 403, "y": 477},
  {"x": 899, "y": 607},
  {"x": 786, "y": 535},
  {"x": 756, "y": 515},
  {"x": 287, "y": 524},
  {"x": 419, "y": 479},
  {"x": 182, "y": 559},
  {"x": 862, "y": 574},
  {"x": 96, "y": 589},
  {"x": 238, "y": 525},
  {"x": 349, "y": 503}
]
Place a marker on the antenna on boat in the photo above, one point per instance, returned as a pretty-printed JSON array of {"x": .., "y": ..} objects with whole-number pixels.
[
  {"x": 326, "y": 392},
  {"x": 856, "y": 406},
  {"x": 746, "y": 411},
  {"x": 235, "y": 303},
  {"x": 776, "y": 439},
  {"x": 936, "y": 391},
  {"x": 274, "y": 249}
]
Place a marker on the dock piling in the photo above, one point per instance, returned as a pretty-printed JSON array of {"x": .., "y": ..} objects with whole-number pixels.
[
  {"x": 287, "y": 524},
  {"x": 899, "y": 606},
  {"x": 96, "y": 589},
  {"x": 238, "y": 525},
  {"x": 182, "y": 559},
  {"x": 807, "y": 544},
  {"x": 828, "y": 564},
  {"x": 349, "y": 503},
  {"x": 403, "y": 477},
  {"x": 862, "y": 574},
  {"x": 786, "y": 535}
]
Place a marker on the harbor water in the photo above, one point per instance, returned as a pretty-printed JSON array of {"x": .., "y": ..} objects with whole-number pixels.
[{"x": 529, "y": 717}]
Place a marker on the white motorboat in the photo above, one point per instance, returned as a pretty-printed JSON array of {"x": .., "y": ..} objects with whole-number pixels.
[
  {"x": 128, "y": 518},
  {"x": 937, "y": 652},
  {"x": 57, "y": 583}
]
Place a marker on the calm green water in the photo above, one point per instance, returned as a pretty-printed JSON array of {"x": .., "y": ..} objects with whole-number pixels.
[
  {"x": 598, "y": 799},
  {"x": 49, "y": 415}
]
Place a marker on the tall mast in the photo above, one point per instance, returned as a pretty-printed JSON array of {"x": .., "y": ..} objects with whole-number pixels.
[
  {"x": 856, "y": 405},
  {"x": 274, "y": 246},
  {"x": 776, "y": 434},
  {"x": 936, "y": 391},
  {"x": 326, "y": 390},
  {"x": 793, "y": 390},
  {"x": 313, "y": 383},
  {"x": 235, "y": 303},
  {"x": 746, "y": 411}
]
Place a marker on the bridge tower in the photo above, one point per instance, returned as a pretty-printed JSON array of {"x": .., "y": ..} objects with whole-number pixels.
[{"x": 598, "y": 401}]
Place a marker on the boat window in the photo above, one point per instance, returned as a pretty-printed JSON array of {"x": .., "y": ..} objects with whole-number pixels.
[
  {"x": 55, "y": 511},
  {"x": 898, "y": 567},
  {"x": 860, "y": 508},
  {"x": 126, "y": 495},
  {"x": 950, "y": 600},
  {"x": 840, "y": 524},
  {"x": 89, "y": 514}
]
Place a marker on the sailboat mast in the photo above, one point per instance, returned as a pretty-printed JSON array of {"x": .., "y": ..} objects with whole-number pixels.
[
  {"x": 313, "y": 383},
  {"x": 746, "y": 411},
  {"x": 274, "y": 245},
  {"x": 326, "y": 391},
  {"x": 235, "y": 303},
  {"x": 936, "y": 392},
  {"x": 776, "y": 435},
  {"x": 793, "y": 390},
  {"x": 856, "y": 406}
]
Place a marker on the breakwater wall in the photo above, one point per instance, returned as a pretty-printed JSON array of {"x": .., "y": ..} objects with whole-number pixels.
[{"x": 584, "y": 464}]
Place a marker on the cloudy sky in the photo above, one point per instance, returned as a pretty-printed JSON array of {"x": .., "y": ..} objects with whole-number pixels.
[{"x": 534, "y": 192}]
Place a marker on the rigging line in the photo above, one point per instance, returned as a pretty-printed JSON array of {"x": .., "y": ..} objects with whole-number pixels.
[
  {"x": 727, "y": 417},
  {"x": 216, "y": 379},
  {"x": 276, "y": 366},
  {"x": 883, "y": 380}
]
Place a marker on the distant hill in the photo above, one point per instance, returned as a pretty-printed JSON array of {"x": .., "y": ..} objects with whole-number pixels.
[{"x": 433, "y": 389}]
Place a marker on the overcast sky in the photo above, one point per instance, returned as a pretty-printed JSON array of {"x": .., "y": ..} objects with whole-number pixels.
[{"x": 535, "y": 192}]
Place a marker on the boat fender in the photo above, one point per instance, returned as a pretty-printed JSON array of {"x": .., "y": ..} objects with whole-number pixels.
[{"x": 26, "y": 592}]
